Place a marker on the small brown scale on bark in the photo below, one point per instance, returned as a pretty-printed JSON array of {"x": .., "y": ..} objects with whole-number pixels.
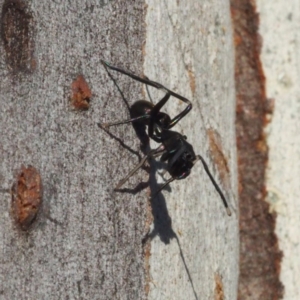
[
  {"x": 26, "y": 196},
  {"x": 81, "y": 94}
]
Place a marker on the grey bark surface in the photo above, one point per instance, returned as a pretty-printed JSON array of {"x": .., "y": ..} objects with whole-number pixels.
[
  {"x": 194, "y": 252},
  {"x": 281, "y": 67},
  {"x": 88, "y": 241}
]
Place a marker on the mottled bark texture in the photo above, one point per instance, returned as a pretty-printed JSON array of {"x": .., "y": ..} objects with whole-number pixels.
[{"x": 86, "y": 242}]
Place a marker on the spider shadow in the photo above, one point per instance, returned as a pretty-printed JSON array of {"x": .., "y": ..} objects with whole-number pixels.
[
  {"x": 161, "y": 218},
  {"x": 163, "y": 222}
]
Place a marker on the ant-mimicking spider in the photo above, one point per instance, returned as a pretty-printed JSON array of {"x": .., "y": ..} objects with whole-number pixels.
[{"x": 174, "y": 148}]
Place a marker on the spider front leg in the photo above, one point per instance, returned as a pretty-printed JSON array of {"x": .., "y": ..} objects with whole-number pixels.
[
  {"x": 145, "y": 80},
  {"x": 154, "y": 118},
  {"x": 159, "y": 86},
  {"x": 106, "y": 125}
]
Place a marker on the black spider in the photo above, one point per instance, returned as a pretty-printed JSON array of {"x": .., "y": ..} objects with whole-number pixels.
[{"x": 174, "y": 149}]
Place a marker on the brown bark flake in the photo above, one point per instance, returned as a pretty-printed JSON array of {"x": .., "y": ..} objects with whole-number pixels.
[
  {"x": 218, "y": 156},
  {"x": 260, "y": 256},
  {"x": 192, "y": 80},
  {"x": 81, "y": 94},
  {"x": 219, "y": 291},
  {"x": 26, "y": 196}
]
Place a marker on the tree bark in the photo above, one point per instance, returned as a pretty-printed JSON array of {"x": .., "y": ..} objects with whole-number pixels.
[
  {"x": 195, "y": 250},
  {"x": 280, "y": 56},
  {"x": 88, "y": 241}
]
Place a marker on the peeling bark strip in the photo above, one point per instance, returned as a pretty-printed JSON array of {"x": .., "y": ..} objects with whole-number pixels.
[
  {"x": 17, "y": 36},
  {"x": 26, "y": 196},
  {"x": 260, "y": 256}
]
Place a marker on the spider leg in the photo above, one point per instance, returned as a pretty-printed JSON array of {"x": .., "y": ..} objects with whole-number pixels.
[
  {"x": 152, "y": 153},
  {"x": 163, "y": 186},
  {"x": 106, "y": 125},
  {"x": 148, "y": 92},
  {"x": 214, "y": 183},
  {"x": 145, "y": 80},
  {"x": 157, "y": 85},
  {"x": 155, "y": 110}
]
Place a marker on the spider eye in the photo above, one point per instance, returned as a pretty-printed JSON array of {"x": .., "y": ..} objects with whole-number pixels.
[
  {"x": 188, "y": 156},
  {"x": 164, "y": 120}
]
